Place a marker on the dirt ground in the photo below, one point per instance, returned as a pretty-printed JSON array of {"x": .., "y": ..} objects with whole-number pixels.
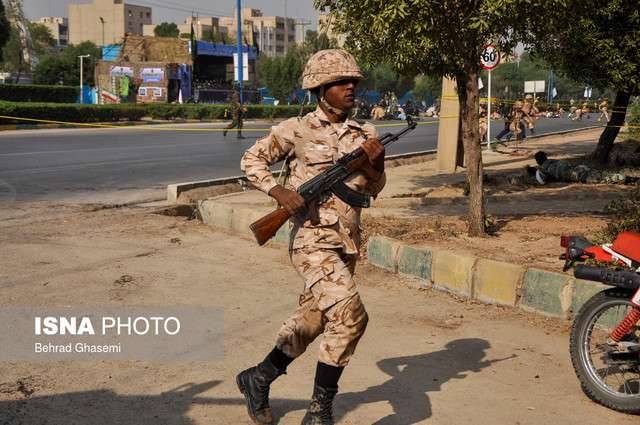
[{"x": 427, "y": 357}]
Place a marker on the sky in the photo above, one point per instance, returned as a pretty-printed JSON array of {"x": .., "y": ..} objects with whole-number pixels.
[{"x": 177, "y": 10}]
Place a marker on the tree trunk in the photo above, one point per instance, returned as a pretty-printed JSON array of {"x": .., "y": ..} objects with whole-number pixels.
[
  {"x": 469, "y": 102},
  {"x": 608, "y": 136}
]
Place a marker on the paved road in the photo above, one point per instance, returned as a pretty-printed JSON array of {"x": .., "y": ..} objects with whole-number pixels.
[{"x": 87, "y": 164}]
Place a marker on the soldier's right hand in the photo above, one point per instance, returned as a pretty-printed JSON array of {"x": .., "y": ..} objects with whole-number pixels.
[{"x": 289, "y": 199}]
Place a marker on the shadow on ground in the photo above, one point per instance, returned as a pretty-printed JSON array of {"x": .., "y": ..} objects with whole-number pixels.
[{"x": 412, "y": 378}]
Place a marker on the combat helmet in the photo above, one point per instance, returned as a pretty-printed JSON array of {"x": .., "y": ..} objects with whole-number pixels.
[{"x": 328, "y": 66}]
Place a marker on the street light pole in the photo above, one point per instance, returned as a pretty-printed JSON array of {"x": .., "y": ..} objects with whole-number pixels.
[
  {"x": 102, "y": 22},
  {"x": 81, "y": 57}
]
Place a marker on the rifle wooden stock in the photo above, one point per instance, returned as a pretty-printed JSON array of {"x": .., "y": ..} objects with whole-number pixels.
[{"x": 267, "y": 227}]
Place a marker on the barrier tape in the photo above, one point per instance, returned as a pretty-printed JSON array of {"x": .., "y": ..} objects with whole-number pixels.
[{"x": 158, "y": 128}]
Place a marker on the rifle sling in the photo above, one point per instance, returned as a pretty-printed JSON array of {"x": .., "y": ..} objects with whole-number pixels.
[{"x": 350, "y": 196}]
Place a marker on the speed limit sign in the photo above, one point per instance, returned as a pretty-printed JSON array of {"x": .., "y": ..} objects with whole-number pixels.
[{"x": 490, "y": 57}]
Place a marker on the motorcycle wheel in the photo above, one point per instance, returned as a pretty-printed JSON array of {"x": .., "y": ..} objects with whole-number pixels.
[{"x": 607, "y": 376}]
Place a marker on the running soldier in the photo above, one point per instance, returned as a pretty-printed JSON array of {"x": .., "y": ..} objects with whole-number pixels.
[{"x": 325, "y": 237}]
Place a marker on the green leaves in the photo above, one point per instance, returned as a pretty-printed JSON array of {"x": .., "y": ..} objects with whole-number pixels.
[{"x": 166, "y": 29}]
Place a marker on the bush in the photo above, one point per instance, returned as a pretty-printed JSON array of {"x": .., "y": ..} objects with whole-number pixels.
[
  {"x": 625, "y": 216},
  {"x": 70, "y": 112},
  {"x": 37, "y": 93},
  {"x": 133, "y": 112}
]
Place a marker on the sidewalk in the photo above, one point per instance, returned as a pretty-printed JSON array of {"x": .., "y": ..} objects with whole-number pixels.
[{"x": 423, "y": 212}]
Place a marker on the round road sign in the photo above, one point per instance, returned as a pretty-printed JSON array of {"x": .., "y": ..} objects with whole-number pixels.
[{"x": 490, "y": 57}]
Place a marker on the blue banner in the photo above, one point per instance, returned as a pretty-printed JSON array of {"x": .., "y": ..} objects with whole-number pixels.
[{"x": 225, "y": 50}]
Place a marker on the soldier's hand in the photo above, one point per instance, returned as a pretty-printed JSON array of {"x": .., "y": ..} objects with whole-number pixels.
[
  {"x": 375, "y": 152},
  {"x": 289, "y": 199}
]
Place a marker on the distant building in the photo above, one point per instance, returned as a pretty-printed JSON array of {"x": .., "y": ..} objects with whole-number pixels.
[
  {"x": 204, "y": 28},
  {"x": 106, "y": 21},
  {"x": 59, "y": 28},
  {"x": 271, "y": 34}
]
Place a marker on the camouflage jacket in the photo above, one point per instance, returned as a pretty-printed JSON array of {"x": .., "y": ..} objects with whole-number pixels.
[{"x": 313, "y": 144}]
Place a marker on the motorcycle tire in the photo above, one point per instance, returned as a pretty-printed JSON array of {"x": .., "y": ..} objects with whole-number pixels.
[{"x": 592, "y": 383}]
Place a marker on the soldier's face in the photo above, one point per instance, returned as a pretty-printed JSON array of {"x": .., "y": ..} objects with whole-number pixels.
[{"x": 341, "y": 94}]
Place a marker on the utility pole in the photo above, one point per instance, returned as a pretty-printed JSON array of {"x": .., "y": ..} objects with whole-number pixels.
[
  {"x": 239, "y": 48},
  {"x": 102, "y": 22},
  {"x": 81, "y": 83}
]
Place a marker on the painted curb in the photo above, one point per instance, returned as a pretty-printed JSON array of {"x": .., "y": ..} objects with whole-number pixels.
[{"x": 494, "y": 282}]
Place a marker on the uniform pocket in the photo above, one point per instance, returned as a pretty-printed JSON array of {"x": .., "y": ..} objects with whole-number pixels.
[{"x": 316, "y": 154}]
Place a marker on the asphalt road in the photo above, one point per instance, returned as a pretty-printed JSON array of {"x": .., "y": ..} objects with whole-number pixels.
[{"x": 89, "y": 164}]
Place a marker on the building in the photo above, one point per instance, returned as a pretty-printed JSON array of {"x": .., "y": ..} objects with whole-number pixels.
[
  {"x": 106, "y": 21},
  {"x": 204, "y": 28},
  {"x": 59, "y": 28},
  {"x": 272, "y": 35}
]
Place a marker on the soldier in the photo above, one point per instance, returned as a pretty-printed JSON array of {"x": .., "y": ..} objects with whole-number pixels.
[
  {"x": 604, "y": 110},
  {"x": 562, "y": 171},
  {"x": 529, "y": 111},
  {"x": 237, "y": 114},
  {"x": 325, "y": 237}
]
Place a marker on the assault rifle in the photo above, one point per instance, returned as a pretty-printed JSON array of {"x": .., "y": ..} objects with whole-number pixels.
[{"x": 320, "y": 186}]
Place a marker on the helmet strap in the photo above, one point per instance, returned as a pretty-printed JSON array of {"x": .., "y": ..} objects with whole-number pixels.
[{"x": 336, "y": 111}]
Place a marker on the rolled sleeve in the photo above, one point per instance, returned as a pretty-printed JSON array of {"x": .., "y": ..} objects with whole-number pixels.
[{"x": 257, "y": 160}]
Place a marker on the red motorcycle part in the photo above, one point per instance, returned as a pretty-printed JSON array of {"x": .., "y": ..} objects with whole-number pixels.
[
  {"x": 628, "y": 244},
  {"x": 625, "y": 326},
  {"x": 599, "y": 254}
]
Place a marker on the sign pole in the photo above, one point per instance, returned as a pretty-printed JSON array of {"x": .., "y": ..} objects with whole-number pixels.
[
  {"x": 239, "y": 47},
  {"x": 489, "y": 114}
]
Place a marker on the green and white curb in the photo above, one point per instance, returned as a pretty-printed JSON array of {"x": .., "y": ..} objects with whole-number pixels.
[{"x": 494, "y": 282}]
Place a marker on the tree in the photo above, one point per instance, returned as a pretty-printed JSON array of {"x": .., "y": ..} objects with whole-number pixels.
[
  {"x": 12, "y": 53},
  {"x": 282, "y": 74},
  {"x": 597, "y": 43},
  {"x": 437, "y": 38},
  {"x": 42, "y": 38},
  {"x": 64, "y": 67},
  {"x": 166, "y": 29},
  {"x": 4, "y": 28},
  {"x": 426, "y": 88}
]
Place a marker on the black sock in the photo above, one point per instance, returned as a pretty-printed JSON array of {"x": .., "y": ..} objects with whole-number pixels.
[
  {"x": 279, "y": 359},
  {"x": 328, "y": 376}
]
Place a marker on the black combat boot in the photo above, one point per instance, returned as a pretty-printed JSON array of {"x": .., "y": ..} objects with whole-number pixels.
[
  {"x": 254, "y": 384},
  {"x": 320, "y": 410},
  {"x": 239, "y": 135},
  {"x": 224, "y": 132}
]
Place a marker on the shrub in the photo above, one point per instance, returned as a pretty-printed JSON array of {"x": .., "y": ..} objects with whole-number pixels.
[
  {"x": 625, "y": 215},
  {"x": 38, "y": 93},
  {"x": 70, "y": 112},
  {"x": 133, "y": 112}
]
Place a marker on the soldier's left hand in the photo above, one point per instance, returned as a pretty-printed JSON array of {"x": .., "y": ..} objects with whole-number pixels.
[{"x": 375, "y": 152}]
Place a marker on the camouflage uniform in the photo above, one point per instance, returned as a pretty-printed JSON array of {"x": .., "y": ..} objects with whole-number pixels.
[
  {"x": 237, "y": 114},
  {"x": 559, "y": 170},
  {"x": 324, "y": 244}
]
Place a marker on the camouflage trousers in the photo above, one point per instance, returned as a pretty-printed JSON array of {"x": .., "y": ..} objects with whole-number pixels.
[{"x": 329, "y": 306}]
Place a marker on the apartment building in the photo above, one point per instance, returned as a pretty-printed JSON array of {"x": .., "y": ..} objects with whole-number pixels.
[
  {"x": 58, "y": 26},
  {"x": 203, "y": 27},
  {"x": 106, "y": 21},
  {"x": 272, "y": 34}
]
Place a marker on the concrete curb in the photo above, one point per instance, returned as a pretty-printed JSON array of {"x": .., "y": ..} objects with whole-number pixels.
[
  {"x": 494, "y": 282},
  {"x": 174, "y": 190}
]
